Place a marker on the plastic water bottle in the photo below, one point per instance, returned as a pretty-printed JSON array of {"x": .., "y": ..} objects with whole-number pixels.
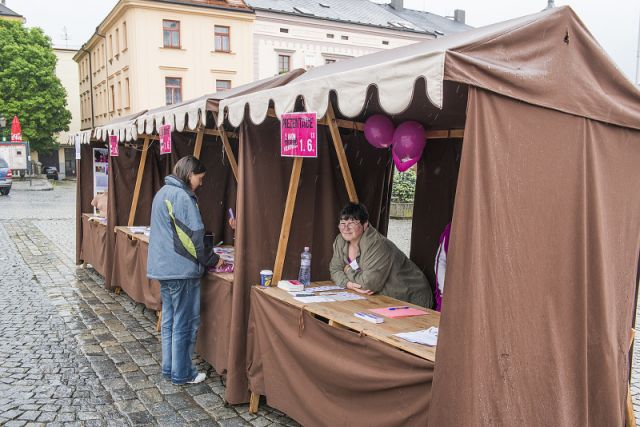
[{"x": 305, "y": 267}]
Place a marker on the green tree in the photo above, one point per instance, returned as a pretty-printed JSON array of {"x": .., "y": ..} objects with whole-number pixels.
[
  {"x": 404, "y": 186},
  {"x": 29, "y": 87}
]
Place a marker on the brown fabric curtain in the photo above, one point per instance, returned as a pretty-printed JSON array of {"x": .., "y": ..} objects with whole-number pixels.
[
  {"x": 325, "y": 376},
  {"x": 215, "y": 315},
  {"x": 94, "y": 244},
  {"x": 84, "y": 192},
  {"x": 541, "y": 270},
  {"x": 123, "y": 171},
  {"x": 262, "y": 193},
  {"x": 433, "y": 207}
]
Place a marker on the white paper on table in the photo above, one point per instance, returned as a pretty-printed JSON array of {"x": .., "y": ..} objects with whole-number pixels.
[
  {"x": 344, "y": 296},
  {"x": 323, "y": 288},
  {"x": 315, "y": 298},
  {"x": 424, "y": 336}
]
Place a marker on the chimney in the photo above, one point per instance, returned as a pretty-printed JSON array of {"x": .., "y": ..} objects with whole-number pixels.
[
  {"x": 459, "y": 16},
  {"x": 550, "y": 4},
  {"x": 396, "y": 4},
  {"x": 3, "y": 2}
]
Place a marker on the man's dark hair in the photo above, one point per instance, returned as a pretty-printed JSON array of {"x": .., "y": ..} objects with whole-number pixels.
[
  {"x": 356, "y": 211},
  {"x": 187, "y": 166}
]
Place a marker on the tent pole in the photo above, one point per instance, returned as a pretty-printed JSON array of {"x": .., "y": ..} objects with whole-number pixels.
[
  {"x": 230, "y": 155},
  {"x": 198, "y": 148},
  {"x": 629, "y": 414},
  {"x": 342, "y": 157},
  {"x": 136, "y": 191},
  {"x": 286, "y": 220}
]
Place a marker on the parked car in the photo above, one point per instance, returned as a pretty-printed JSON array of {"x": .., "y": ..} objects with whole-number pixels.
[
  {"x": 6, "y": 177},
  {"x": 51, "y": 172}
]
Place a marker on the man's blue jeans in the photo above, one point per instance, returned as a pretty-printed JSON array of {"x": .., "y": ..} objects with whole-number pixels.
[{"x": 180, "y": 321}]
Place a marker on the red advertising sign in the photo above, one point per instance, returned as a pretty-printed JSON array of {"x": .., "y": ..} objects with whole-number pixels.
[
  {"x": 298, "y": 135},
  {"x": 165, "y": 139},
  {"x": 16, "y": 130},
  {"x": 113, "y": 145}
]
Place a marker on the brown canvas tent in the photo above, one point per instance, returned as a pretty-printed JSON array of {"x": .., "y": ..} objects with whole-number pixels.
[
  {"x": 543, "y": 262},
  {"x": 138, "y": 172}
]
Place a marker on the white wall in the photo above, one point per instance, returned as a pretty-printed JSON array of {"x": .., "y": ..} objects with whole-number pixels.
[
  {"x": 308, "y": 45},
  {"x": 67, "y": 72}
]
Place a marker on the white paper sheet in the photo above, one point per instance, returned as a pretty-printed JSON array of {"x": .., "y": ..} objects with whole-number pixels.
[
  {"x": 344, "y": 296},
  {"x": 323, "y": 288},
  {"x": 316, "y": 298},
  {"x": 424, "y": 336}
]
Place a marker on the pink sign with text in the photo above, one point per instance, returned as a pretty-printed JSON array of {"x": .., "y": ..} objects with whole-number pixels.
[
  {"x": 165, "y": 139},
  {"x": 299, "y": 135},
  {"x": 113, "y": 145}
]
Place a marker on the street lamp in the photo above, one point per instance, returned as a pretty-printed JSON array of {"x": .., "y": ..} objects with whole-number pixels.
[{"x": 3, "y": 124}]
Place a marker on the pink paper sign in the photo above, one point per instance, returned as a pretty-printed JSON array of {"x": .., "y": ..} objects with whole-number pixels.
[
  {"x": 298, "y": 135},
  {"x": 113, "y": 145},
  {"x": 165, "y": 139},
  {"x": 395, "y": 312}
]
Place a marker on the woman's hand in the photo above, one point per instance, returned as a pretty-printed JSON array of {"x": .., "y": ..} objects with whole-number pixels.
[
  {"x": 219, "y": 263},
  {"x": 358, "y": 288},
  {"x": 233, "y": 223}
]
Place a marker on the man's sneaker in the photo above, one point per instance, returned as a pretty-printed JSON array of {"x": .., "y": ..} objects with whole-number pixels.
[{"x": 198, "y": 379}]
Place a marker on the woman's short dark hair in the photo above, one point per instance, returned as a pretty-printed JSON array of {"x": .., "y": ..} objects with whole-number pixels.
[
  {"x": 356, "y": 211},
  {"x": 187, "y": 166}
]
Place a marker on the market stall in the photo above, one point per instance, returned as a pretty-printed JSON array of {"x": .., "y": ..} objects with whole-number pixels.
[{"x": 545, "y": 243}]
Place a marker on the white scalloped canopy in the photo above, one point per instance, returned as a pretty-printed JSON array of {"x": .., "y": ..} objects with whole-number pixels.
[{"x": 393, "y": 72}]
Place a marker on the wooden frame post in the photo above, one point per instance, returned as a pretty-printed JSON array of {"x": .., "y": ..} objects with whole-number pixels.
[
  {"x": 230, "y": 155},
  {"x": 198, "y": 148},
  {"x": 136, "y": 191},
  {"x": 342, "y": 156},
  {"x": 629, "y": 413},
  {"x": 286, "y": 220}
]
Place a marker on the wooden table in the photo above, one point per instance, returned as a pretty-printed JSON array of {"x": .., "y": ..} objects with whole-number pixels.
[
  {"x": 340, "y": 314},
  {"x": 128, "y": 232}
]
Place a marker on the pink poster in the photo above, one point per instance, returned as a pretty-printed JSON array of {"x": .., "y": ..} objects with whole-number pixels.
[
  {"x": 113, "y": 145},
  {"x": 298, "y": 135},
  {"x": 165, "y": 139}
]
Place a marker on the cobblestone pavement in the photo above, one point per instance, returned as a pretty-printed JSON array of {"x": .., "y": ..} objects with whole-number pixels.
[{"x": 72, "y": 353}]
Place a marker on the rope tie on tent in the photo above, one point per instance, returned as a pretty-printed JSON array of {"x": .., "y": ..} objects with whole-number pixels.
[{"x": 301, "y": 321}]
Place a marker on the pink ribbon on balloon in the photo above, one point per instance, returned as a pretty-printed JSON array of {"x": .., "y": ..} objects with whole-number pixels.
[{"x": 403, "y": 165}]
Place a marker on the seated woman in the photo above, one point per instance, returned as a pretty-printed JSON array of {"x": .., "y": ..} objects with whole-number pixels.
[{"x": 367, "y": 262}]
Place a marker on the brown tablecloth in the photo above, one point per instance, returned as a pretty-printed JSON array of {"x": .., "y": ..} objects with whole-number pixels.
[
  {"x": 94, "y": 243},
  {"x": 215, "y": 320},
  {"x": 324, "y": 376},
  {"x": 130, "y": 271}
]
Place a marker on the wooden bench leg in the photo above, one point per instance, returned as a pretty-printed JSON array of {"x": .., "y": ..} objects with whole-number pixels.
[
  {"x": 118, "y": 290},
  {"x": 159, "y": 322},
  {"x": 254, "y": 402},
  {"x": 84, "y": 265}
]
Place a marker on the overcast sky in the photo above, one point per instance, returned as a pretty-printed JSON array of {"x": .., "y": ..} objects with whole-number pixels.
[{"x": 614, "y": 23}]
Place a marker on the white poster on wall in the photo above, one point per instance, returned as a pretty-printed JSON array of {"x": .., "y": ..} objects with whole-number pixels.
[
  {"x": 77, "y": 140},
  {"x": 100, "y": 170}
]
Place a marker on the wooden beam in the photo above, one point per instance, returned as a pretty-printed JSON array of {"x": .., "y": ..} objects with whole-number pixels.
[
  {"x": 629, "y": 413},
  {"x": 349, "y": 124},
  {"x": 342, "y": 157},
  {"x": 136, "y": 191},
  {"x": 198, "y": 148},
  {"x": 230, "y": 155},
  {"x": 286, "y": 220},
  {"x": 254, "y": 402}
]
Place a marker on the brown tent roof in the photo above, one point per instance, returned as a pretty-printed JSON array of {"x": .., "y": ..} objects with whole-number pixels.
[{"x": 548, "y": 59}]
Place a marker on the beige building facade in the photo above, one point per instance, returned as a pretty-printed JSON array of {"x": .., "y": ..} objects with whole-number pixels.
[
  {"x": 146, "y": 54},
  {"x": 67, "y": 72}
]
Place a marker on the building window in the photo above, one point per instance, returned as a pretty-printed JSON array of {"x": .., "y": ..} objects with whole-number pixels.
[
  {"x": 110, "y": 46},
  {"x": 113, "y": 98},
  {"x": 344, "y": 37},
  {"x": 127, "y": 93},
  {"x": 117, "y": 41},
  {"x": 284, "y": 63},
  {"x": 171, "y": 33},
  {"x": 223, "y": 42},
  {"x": 124, "y": 36},
  {"x": 329, "y": 36},
  {"x": 385, "y": 42},
  {"x": 173, "y": 90},
  {"x": 222, "y": 85},
  {"x": 119, "y": 95},
  {"x": 284, "y": 30},
  {"x": 329, "y": 61}
]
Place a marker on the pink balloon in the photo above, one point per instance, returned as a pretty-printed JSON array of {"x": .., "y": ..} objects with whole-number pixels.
[
  {"x": 408, "y": 144},
  {"x": 378, "y": 130}
]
